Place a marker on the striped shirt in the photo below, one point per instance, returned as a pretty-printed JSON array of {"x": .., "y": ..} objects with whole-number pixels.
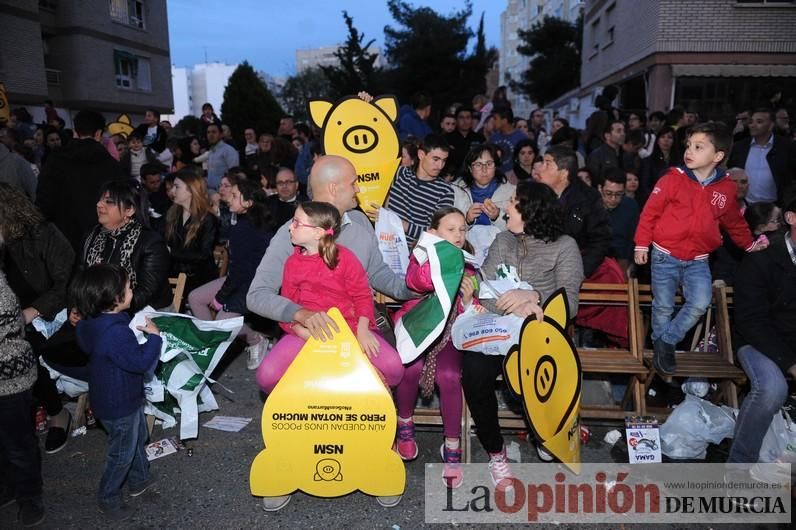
[{"x": 415, "y": 200}]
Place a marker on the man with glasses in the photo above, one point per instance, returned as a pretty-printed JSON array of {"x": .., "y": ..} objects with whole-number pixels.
[
  {"x": 283, "y": 204},
  {"x": 622, "y": 215}
]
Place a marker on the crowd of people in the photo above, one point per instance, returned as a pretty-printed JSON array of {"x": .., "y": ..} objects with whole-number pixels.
[{"x": 666, "y": 197}]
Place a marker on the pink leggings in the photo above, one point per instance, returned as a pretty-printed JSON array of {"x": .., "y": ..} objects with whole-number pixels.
[
  {"x": 282, "y": 354},
  {"x": 449, "y": 380},
  {"x": 199, "y": 299}
]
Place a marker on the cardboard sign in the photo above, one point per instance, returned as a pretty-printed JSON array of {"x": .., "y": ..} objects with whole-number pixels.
[
  {"x": 365, "y": 134},
  {"x": 122, "y": 126},
  {"x": 544, "y": 370},
  {"x": 329, "y": 425},
  {"x": 643, "y": 440}
]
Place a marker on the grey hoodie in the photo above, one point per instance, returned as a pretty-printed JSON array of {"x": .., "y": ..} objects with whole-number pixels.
[
  {"x": 16, "y": 171},
  {"x": 356, "y": 234}
]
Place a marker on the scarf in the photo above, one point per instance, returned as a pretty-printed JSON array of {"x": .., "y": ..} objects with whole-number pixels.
[
  {"x": 125, "y": 238},
  {"x": 480, "y": 195}
]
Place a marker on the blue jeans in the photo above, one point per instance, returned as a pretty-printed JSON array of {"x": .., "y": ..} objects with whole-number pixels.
[
  {"x": 768, "y": 393},
  {"x": 668, "y": 273},
  {"x": 20, "y": 460},
  {"x": 126, "y": 459}
]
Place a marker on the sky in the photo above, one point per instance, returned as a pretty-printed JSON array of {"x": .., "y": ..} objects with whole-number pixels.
[{"x": 267, "y": 33}]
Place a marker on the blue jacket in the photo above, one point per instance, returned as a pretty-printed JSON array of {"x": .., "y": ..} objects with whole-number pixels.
[
  {"x": 247, "y": 245},
  {"x": 117, "y": 364},
  {"x": 410, "y": 123}
]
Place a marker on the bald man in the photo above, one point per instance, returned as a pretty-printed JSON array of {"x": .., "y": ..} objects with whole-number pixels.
[{"x": 334, "y": 180}]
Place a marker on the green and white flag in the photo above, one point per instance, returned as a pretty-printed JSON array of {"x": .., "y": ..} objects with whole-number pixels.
[
  {"x": 416, "y": 330},
  {"x": 192, "y": 349}
]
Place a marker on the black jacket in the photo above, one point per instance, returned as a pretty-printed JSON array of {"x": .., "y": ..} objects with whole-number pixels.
[
  {"x": 652, "y": 169},
  {"x": 781, "y": 159},
  {"x": 586, "y": 220},
  {"x": 44, "y": 258},
  {"x": 247, "y": 246},
  {"x": 150, "y": 260},
  {"x": 602, "y": 159},
  {"x": 69, "y": 186},
  {"x": 159, "y": 144},
  {"x": 195, "y": 259},
  {"x": 765, "y": 304},
  {"x": 281, "y": 211}
]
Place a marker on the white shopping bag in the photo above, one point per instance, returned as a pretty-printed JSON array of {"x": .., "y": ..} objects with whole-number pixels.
[
  {"x": 392, "y": 241},
  {"x": 488, "y": 333}
]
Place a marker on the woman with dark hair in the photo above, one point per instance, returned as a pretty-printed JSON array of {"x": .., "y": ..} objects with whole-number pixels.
[
  {"x": 122, "y": 237},
  {"x": 664, "y": 155},
  {"x": 188, "y": 149},
  {"x": 248, "y": 241},
  {"x": 568, "y": 137},
  {"x": 524, "y": 154},
  {"x": 487, "y": 194},
  {"x": 192, "y": 231},
  {"x": 535, "y": 247}
]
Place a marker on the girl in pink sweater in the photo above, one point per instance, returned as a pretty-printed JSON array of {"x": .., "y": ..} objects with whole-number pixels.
[
  {"x": 318, "y": 276},
  {"x": 442, "y": 363}
]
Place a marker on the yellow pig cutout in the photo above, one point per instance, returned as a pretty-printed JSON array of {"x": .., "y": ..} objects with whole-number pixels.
[
  {"x": 329, "y": 425},
  {"x": 365, "y": 134},
  {"x": 544, "y": 370}
]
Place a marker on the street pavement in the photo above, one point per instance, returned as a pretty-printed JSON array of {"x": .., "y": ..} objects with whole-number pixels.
[{"x": 210, "y": 488}]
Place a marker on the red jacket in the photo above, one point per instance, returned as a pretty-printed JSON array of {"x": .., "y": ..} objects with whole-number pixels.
[
  {"x": 682, "y": 217},
  {"x": 308, "y": 282}
]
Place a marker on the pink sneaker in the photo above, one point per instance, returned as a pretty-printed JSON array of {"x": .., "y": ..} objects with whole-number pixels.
[
  {"x": 500, "y": 470},
  {"x": 407, "y": 447},
  {"x": 452, "y": 474}
]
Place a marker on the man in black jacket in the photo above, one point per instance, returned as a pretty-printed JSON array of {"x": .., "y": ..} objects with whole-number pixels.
[
  {"x": 609, "y": 154},
  {"x": 765, "y": 334},
  {"x": 70, "y": 181},
  {"x": 769, "y": 159},
  {"x": 586, "y": 219},
  {"x": 152, "y": 133}
]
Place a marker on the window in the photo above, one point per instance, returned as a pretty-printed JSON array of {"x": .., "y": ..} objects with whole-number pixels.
[
  {"x": 130, "y": 12},
  {"x": 132, "y": 72}
]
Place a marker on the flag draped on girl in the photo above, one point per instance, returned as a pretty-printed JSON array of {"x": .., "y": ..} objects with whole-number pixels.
[{"x": 422, "y": 325}]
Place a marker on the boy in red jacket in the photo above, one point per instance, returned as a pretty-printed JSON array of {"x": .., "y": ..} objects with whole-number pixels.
[{"x": 681, "y": 220}]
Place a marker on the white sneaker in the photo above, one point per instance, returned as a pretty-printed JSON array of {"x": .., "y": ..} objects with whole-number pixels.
[
  {"x": 544, "y": 456},
  {"x": 274, "y": 504},
  {"x": 256, "y": 353}
]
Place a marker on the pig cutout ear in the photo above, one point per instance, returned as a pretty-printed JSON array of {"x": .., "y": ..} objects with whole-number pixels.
[
  {"x": 389, "y": 105},
  {"x": 511, "y": 370},
  {"x": 556, "y": 308},
  {"x": 319, "y": 109}
]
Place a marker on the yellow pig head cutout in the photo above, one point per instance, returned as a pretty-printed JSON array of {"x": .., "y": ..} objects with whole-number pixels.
[
  {"x": 544, "y": 370},
  {"x": 365, "y": 134},
  {"x": 329, "y": 425},
  {"x": 121, "y": 126}
]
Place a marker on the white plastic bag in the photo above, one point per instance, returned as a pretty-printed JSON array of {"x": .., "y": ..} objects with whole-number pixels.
[
  {"x": 481, "y": 238},
  {"x": 779, "y": 444},
  {"x": 692, "y": 425},
  {"x": 487, "y": 333},
  {"x": 392, "y": 241}
]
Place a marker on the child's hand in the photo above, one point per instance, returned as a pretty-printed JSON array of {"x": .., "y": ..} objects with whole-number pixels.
[
  {"x": 149, "y": 327},
  {"x": 761, "y": 243},
  {"x": 467, "y": 289},
  {"x": 368, "y": 342},
  {"x": 302, "y": 332},
  {"x": 640, "y": 256}
]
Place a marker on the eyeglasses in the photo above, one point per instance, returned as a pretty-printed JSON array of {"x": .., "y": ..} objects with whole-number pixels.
[
  {"x": 613, "y": 194},
  {"x": 483, "y": 165},
  {"x": 285, "y": 182},
  {"x": 295, "y": 223}
]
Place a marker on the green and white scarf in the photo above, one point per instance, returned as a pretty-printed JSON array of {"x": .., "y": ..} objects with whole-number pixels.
[{"x": 417, "y": 330}]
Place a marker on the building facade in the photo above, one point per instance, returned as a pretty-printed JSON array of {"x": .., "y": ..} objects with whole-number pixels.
[
  {"x": 714, "y": 57},
  {"x": 106, "y": 55},
  {"x": 522, "y": 15},
  {"x": 196, "y": 85},
  {"x": 324, "y": 56}
]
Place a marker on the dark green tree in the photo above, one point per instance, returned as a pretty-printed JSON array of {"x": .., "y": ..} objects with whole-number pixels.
[
  {"x": 356, "y": 68},
  {"x": 477, "y": 65},
  {"x": 554, "y": 48},
  {"x": 300, "y": 88},
  {"x": 428, "y": 51},
  {"x": 189, "y": 125},
  {"x": 249, "y": 103}
]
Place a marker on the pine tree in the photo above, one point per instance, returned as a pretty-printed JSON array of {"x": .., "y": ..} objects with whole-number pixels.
[
  {"x": 249, "y": 103},
  {"x": 356, "y": 69}
]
